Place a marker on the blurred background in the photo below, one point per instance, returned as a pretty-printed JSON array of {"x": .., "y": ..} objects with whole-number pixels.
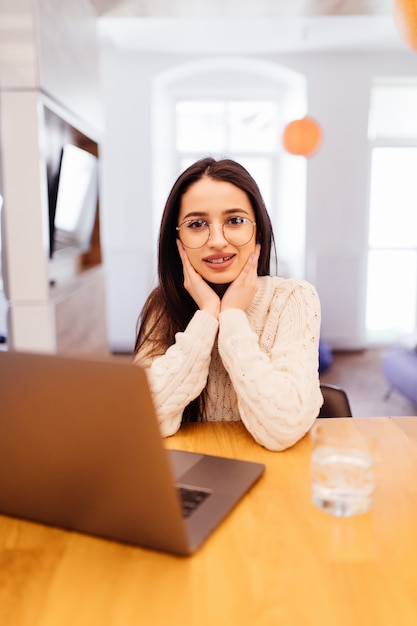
[{"x": 148, "y": 86}]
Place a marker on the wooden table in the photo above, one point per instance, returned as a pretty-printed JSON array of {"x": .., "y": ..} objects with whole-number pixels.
[{"x": 277, "y": 559}]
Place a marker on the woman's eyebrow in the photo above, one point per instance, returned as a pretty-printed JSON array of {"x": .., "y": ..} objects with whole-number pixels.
[
  {"x": 206, "y": 214},
  {"x": 194, "y": 214},
  {"x": 236, "y": 210}
]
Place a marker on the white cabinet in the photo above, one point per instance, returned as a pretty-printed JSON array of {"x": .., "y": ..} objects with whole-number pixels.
[
  {"x": 53, "y": 305},
  {"x": 49, "y": 93}
]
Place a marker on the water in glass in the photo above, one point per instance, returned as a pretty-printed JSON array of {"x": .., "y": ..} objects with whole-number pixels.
[{"x": 342, "y": 480}]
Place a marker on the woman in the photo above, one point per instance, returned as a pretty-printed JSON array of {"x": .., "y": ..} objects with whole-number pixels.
[{"x": 219, "y": 337}]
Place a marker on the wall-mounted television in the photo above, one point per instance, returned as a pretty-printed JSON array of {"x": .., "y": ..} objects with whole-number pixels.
[{"x": 74, "y": 211}]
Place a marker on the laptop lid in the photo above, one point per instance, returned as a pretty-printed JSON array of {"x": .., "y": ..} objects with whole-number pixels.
[{"x": 80, "y": 448}]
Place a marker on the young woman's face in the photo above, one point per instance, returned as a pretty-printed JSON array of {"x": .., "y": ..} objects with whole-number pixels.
[{"x": 218, "y": 260}]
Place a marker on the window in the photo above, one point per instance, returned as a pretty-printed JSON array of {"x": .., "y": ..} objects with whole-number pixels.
[
  {"x": 392, "y": 244},
  {"x": 243, "y": 130}
]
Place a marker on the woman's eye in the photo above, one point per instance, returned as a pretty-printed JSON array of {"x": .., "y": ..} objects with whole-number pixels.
[
  {"x": 197, "y": 224},
  {"x": 237, "y": 221}
]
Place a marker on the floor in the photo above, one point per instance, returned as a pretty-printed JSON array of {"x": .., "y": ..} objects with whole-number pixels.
[{"x": 360, "y": 375}]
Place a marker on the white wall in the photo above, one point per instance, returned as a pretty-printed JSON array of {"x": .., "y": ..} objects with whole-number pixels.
[
  {"x": 126, "y": 201},
  {"x": 18, "y": 54}
]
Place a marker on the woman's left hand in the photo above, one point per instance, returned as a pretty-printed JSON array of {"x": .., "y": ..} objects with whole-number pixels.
[{"x": 240, "y": 293}]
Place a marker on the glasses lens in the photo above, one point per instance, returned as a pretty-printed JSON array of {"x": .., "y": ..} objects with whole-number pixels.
[
  {"x": 238, "y": 231},
  {"x": 194, "y": 234}
]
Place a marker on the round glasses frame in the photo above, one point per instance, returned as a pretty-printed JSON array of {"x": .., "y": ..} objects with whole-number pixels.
[{"x": 244, "y": 219}]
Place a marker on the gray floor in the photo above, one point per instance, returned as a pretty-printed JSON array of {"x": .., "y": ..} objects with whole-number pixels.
[{"x": 360, "y": 374}]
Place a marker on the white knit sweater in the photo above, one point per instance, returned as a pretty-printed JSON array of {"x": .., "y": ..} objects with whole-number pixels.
[{"x": 260, "y": 366}]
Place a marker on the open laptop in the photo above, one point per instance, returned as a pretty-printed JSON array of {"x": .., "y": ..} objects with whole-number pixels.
[{"x": 80, "y": 448}]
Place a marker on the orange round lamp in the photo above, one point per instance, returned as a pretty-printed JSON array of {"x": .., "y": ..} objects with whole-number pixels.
[
  {"x": 405, "y": 17},
  {"x": 302, "y": 137}
]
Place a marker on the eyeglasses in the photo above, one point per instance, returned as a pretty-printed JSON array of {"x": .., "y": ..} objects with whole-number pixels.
[{"x": 238, "y": 231}]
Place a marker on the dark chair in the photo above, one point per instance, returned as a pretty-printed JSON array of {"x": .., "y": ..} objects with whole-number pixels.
[{"x": 336, "y": 402}]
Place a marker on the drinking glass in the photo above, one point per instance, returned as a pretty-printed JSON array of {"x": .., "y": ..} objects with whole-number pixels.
[{"x": 342, "y": 468}]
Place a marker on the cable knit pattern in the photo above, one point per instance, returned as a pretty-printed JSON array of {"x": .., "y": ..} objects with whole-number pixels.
[{"x": 263, "y": 368}]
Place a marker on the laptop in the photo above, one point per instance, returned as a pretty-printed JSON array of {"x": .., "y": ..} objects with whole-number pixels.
[{"x": 80, "y": 449}]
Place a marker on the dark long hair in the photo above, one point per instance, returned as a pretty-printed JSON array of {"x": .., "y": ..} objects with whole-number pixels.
[{"x": 169, "y": 307}]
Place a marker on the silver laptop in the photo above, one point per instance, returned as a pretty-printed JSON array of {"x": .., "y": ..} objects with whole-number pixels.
[{"x": 80, "y": 448}]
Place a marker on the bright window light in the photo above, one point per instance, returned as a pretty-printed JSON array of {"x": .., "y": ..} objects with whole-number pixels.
[
  {"x": 391, "y": 295},
  {"x": 391, "y": 312},
  {"x": 226, "y": 126},
  {"x": 243, "y": 130},
  {"x": 393, "y": 111}
]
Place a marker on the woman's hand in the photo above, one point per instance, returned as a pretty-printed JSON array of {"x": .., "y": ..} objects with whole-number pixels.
[
  {"x": 242, "y": 290},
  {"x": 202, "y": 294}
]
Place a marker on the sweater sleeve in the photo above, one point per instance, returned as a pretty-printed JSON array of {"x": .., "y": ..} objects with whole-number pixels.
[
  {"x": 278, "y": 393},
  {"x": 178, "y": 376}
]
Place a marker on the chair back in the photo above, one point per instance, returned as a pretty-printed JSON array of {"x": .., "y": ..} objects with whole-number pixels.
[{"x": 336, "y": 402}]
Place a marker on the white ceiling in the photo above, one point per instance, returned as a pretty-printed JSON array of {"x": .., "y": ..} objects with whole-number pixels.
[
  {"x": 252, "y": 36},
  {"x": 248, "y": 26},
  {"x": 240, "y": 8}
]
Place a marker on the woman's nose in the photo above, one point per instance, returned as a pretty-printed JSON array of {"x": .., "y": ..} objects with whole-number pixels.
[{"x": 216, "y": 235}]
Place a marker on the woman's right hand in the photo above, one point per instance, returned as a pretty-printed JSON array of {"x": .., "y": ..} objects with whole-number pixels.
[{"x": 202, "y": 294}]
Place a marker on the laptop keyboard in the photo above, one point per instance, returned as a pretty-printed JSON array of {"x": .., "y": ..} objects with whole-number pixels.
[{"x": 191, "y": 499}]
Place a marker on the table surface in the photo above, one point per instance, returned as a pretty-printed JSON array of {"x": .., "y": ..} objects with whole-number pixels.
[{"x": 277, "y": 559}]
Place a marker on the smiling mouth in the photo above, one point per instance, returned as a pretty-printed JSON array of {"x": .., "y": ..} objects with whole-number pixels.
[{"x": 221, "y": 259}]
